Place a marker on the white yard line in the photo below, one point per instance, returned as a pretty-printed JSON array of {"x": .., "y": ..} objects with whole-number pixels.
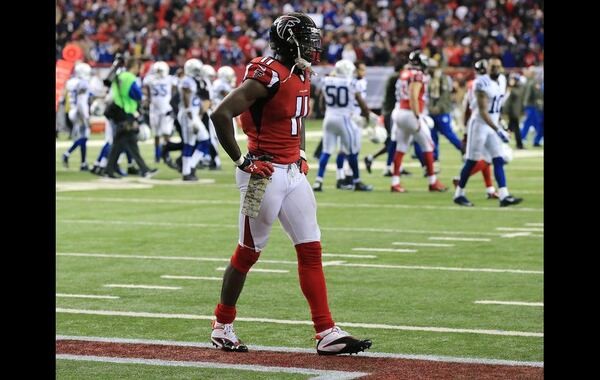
[
  {"x": 436, "y": 358},
  {"x": 169, "y": 277},
  {"x": 522, "y": 229},
  {"x": 423, "y": 244},
  {"x": 516, "y": 303},
  {"x": 304, "y": 322},
  {"x": 451, "y": 269},
  {"x": 458, "y": 238},
  {"x": 325, "y": 263},
  {"x": 134, "y": 286},
  {"x": 101, "y": 200},
  {"x": 259, "y": 270},
  {"x": 408, "y": 250},
  {"x": 319, "y": 374},
  {"x": 63, "y": 295},
  {"x": 349, "y": 256},
  {"x": 99, "y": 223},
  {"x": 535, "y": 224}
]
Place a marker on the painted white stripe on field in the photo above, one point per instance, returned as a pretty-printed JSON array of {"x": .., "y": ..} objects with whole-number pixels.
[
  {"x": 349, "y": 256},
  {"x": 450, "y": 359},
  {"x": 452, "y": 269},
  {"x": 423, "y": 244},
  {"x": 133, "y": 286},
  {"x": 182, "y": 258},
  {"x": 100, "y": 223},
  {"x": 407, "y": 250},
  {"x": 320, "y": 374},
  {"x": 527, "y": 229},
  {"x": 100, "y": 200},
  {"x": 458, "y": 238},
  {"x": 259, "y": 270},
  {"x": 191, "y": 278},
  {"x": 515, "y": 234},
  {"x": 516, "y": 303},
  {"x": 138, "y": 314},
  {"x": 535, "y": 224},
  {"x": 63, "y": 295}
]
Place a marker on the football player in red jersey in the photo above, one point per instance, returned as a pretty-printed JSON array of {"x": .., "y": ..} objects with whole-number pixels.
[
  {"x": 273, "y": 100},
  {"x": 408, "y": 119}
]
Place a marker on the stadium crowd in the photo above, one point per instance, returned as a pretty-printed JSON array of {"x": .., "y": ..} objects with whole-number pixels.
[{"x": 377, "y": 32}]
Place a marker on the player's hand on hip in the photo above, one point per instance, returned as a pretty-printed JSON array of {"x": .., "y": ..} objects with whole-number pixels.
[
  {"x": 303, "y": 165},
  {"x": 261, "y": 166}
]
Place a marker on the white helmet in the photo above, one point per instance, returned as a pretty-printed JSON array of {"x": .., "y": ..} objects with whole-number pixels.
[
  {"x": 160, "y": 69},
  {"x": 344, "y": 68},
  {"x": 208, "y": 72},
  {"x": 83, "y": 71},
  {"x": 227, "y": 74},
  {"x": 193, "y": 68}
]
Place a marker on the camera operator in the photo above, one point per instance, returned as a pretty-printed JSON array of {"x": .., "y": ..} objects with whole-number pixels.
[{"x": 122, "y": 114}]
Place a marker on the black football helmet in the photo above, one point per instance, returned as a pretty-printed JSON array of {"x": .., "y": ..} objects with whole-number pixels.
[
  {"x": 481, "y": 66},
  {"x": 296, "y": 36},
  {"x": 418, "y": 59}
]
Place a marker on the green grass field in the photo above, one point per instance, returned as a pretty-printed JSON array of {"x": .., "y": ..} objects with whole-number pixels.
[{"x": 200, "y": 221}]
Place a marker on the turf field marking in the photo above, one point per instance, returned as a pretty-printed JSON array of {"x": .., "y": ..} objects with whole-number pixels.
[
  {"x": 435, "y": 358},
  {"x": 100, "y": 223},
  {"x": 259, "y": 270},
  {"x": 99, "y": 185},
  {"x": 535, "y": 224},
  {"x": 101, "y": 200},
  {"x": 63, "y": 295},
  {"x": 133, "y": 286},
  {"x": 385, "y": 250},
  {"x": 184, "y": 258},
  {"x": 325, "y": 263},
  {"x": 527, "y": 229},
  {"x": 516, "y": 303},
  {"x": 305, "y": 322},
  {"x": 458, "y": 238},
  {"x": 191, "y": 278},
  {"x": 423, "y": 244},
  {"x": 320, "y": 374},
  {"x": 349, "y": 256},
  {"x": 516, "y": 234},
  {"x": 453, "y": 269}
]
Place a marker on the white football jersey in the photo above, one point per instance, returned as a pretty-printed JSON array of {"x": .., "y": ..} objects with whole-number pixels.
[
  {"x": 71, "y": 87},
  {"x": 361, "y": 87},
  {"x": 189, "y": 83},
  {"x": 495, "y": 91},
  {"x": 160, "y": 92},
  {"x": 219, "y": 88},
  {"x": 83, "y": 96},
  {"x": 339, "y": 95}
]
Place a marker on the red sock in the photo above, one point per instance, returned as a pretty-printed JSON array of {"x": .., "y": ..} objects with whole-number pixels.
[
  {"x": 225, "y": 313},
  {"x": 487, "y": 175},
  {"x": 479, "y": 165},
  {"x": 428, "y": 156},
  {"x": 397, "y": 163},
  {"x": 312, "y": 282}
]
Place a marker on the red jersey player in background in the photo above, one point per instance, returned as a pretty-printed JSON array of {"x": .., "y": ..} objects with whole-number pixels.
[
  {"x": 273, "y": 99},
  {"x": 408, "y": 119}
]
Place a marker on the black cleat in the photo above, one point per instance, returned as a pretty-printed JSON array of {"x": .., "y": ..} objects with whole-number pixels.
[
  {"x": 132, "y": 170},
  {"x": 149, "y": 173},
  {"x": 359, "y": 186},
  {"x": 65, "y": 161},
  {"x": 318, "y": 186},
  {"x": 179, "y": 163},
  {"x": 510, "y": 201},
  {"x": 335, "y": 341},
  {"x": 343, "y": 185},
  {"x": 368, "y": 163},
  {"x": 190, "y": 177},
  {"x": 388, "y": 173},
  {"x": 84, "y": 167},
  {"x": 405, "y": 172},
  {"x": 463, "y": 201}
]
